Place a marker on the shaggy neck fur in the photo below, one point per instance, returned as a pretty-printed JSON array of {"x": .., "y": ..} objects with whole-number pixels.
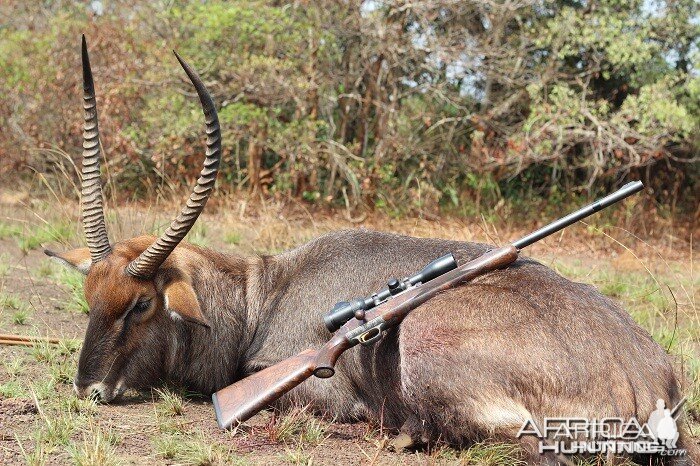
[{"x": 235, "y": 295}]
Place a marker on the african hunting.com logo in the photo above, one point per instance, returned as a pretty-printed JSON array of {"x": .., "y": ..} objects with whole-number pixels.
[{"x": 575, "y": 436}]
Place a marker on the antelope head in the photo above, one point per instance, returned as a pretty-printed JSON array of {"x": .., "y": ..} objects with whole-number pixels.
[{"x": 135, "y": 287}]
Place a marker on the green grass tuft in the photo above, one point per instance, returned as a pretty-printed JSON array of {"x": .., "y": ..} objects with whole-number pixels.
[
  {"x": 63, "y": 370},
  {"x": 60, "y": 359},
  {"x": 57, "y": 430},
  {"x": 8, "y": 301},
  {"x": 13, "y": 389},
  {"x": 81, "y": 406},
  {"x": 5, "y": 265},
  {"x": 74, "y": 281},
  {"x": 46, "y": 269},
  {"x": 483, "y": 454},
  {"x": 38, "y": 456},
  {"x": 170, "y": 403},
  {"x": 14, "y": 366},
  {"x": 45, "y": 352},
  {"x": 19, "y": 317},
  {"x": 45, "y": 389},
  {"x": 298, "y": 426},
  {"x": 69, "y": 346},
  {"x": 297, "y": 456},
  {"x": 9, "y": 230},
  {"x": 193, "y": 449},
  {"x": 233, "y": 237},
  {"x": 21, "y": 310},
  {"x": 95, "y": 449},
  {"x": 692, "y": 405}
]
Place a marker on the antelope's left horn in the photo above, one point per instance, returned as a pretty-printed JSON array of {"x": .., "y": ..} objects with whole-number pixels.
[
  {"x": 90, "y": 184},
  {"x": 148, "y": 262}
]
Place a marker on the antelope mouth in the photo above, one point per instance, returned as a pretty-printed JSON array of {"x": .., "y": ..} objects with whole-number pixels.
[{"x": 99, "y": 391}]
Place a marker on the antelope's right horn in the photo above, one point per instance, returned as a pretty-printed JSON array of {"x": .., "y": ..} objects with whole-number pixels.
[{"x": 148, "y": 262}]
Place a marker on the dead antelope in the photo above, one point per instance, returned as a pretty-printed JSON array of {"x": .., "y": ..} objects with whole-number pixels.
[{"x": 472, "y": 364}]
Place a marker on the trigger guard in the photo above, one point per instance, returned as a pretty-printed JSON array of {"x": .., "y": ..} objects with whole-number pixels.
[{"x": 372, "y": 340}]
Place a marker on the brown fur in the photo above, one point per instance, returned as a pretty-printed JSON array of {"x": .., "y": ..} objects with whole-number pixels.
[{"x": 470, "y": 364}]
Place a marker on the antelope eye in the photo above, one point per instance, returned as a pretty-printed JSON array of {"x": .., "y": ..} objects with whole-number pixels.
[{"x": 141, "y": 306}]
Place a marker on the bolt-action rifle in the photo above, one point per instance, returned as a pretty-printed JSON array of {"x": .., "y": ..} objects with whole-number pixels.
[{"x": 363, "y": 320}]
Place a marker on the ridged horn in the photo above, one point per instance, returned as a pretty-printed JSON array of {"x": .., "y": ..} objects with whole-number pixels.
[
  {"x": 148, "y": 262},
  {"x": 91, "y": 186}
]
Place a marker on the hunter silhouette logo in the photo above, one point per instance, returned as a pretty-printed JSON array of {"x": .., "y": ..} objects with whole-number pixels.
[
  {"x": 572, "y": 435},
  {"x": 662, "y": 424}
]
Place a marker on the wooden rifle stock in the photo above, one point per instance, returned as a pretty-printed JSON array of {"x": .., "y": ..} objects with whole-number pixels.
[{"x": 240, "y": 401}]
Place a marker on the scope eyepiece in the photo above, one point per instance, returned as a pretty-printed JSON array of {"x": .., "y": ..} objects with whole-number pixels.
[{"x": 342, "y": 312}]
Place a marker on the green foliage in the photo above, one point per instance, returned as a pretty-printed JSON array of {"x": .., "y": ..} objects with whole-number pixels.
[
  {"x": 655, "y": 108},
  {"x": 370, "y": 103}
]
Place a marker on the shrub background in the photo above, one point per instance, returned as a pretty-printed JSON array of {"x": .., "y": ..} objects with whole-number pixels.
[{"x": 388, "y": 105}]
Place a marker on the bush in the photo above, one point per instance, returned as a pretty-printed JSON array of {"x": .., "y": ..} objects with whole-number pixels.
[{"x": 370, "y": 103}]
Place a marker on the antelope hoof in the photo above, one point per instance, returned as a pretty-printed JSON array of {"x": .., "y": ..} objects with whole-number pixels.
[{"x": 403, "y": 441}]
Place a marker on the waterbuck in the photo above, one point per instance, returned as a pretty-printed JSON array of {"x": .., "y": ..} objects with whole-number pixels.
[{"x": 474, "y": 363}]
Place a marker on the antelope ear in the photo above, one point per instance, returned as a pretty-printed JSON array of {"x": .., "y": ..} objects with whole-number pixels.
[
  {"x": 181, "y": 302},
  {"x": 78, "y": 259}
]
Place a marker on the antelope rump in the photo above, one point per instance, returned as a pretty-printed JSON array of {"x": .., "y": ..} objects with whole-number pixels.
[{"x": 472, "y": 364}]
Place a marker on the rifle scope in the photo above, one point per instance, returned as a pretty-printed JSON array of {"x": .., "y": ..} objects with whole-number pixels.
[{"x": 344, "y": 310}]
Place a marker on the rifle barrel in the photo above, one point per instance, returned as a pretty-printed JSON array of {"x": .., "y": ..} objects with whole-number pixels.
[{"x": 625, "y": 191}]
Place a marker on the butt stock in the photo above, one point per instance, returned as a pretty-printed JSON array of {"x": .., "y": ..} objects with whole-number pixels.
[{"x": 240, "y": 401}]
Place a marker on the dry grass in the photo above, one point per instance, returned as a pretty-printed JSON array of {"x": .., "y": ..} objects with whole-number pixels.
[
  {"x": 194, "y": 449},
  {"x": 169, "y": 403},
  {"x": 482, "y": 454},
  {"x": 95, "y": 449},
  {"x": 297, "y": 426}
]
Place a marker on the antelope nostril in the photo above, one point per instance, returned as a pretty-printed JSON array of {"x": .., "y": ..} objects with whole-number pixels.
[{"x": 94, "y": 391}]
